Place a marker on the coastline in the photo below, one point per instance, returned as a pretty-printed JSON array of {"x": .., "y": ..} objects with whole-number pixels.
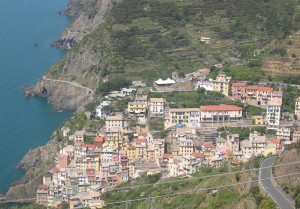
[{"x": 35, "y": 163}]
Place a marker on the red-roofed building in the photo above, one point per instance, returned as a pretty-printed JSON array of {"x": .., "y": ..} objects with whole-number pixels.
[
  {"x": 262, "y": 95},
  {"x": 255, "y": 95},
  {"x": 42, "y": 195},
  {"x": 208, "y": 145},
  {"x": 220, "y": 113},
  {"x": 54, "y": 169},
  {"x": 198, "y": 155}
]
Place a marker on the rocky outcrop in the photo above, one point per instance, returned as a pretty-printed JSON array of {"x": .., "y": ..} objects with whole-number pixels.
[
  {"x": 36, "y": 164},
  {"x": 74, "y": 7},
  {"x": 92, "y": 16},
  {"x": 292, "y": 155},
  {"x": 60, "y": 95}
]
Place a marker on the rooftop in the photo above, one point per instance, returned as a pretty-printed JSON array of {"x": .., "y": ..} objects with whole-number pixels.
[
  {"x": 156, "y": 100},
  {"x": 239, "y": 84},
  {"x": 116, "y": 117},
  {"x": 220, "y": 108}
]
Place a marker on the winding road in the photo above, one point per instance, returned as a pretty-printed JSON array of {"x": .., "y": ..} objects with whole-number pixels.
[
  {"x": 69, "y": 82},
  {"x": 265, "y": 173}
]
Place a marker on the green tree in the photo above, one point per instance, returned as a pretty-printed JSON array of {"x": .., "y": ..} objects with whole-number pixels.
[{"x": 267, "y": 204}]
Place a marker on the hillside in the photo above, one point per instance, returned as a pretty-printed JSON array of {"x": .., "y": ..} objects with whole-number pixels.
[
  {"x": 192, "y": 192},
  {"x": 291, "y": 184},
  {"x": 146, "y": 40}
]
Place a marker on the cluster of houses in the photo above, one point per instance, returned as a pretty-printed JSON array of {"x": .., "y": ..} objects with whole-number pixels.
[
  {"x": 121, "y": 152},
  {"x": 83, "y": 171}
]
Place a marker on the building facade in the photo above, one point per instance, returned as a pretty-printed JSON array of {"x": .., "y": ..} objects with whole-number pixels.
[{"x": 220, "y": 113}]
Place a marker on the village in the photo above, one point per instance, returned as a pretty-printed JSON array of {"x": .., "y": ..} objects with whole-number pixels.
[{"x": 190, "y": 139}]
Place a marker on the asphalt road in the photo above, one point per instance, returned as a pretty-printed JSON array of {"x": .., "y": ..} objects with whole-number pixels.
[{"x": 277, "y": 196}]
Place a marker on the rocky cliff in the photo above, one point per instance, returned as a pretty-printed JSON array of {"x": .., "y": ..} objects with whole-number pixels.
[
  {"x": 291, "y": 155},
  {"x": 61, "y": 95},
  {"x": 36, "y": 164},
  {"x": 84, "y": 62},
  {"x": 88, "y": 15}
]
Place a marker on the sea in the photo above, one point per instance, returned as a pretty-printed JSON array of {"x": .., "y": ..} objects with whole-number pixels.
[{"x": 27, "y": 29}]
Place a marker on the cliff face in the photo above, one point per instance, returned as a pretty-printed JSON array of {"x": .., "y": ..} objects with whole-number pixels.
[
  {"x": 88, "y": 15},
  {"x": 292, "y": 155},
  {"x": 60, "y": 95},
  {"x": 84, "y": 62},
  {"x": 36, "y": 164}
]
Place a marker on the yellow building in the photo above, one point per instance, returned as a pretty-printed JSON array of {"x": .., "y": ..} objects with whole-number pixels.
[
  {"x": 221, "y": 84},
  {"x": 258, "y": 120},
  {"x": 137, "y": 109},
  {"x": 130, "y": 151},
  {"x": 114, "y": 138}
]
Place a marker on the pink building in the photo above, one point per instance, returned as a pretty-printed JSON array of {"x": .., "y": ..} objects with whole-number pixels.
[
  {"x": 140, "y": 149},
  {"x": 238, "y": 90},
  {"x": 62, "y": 161}
]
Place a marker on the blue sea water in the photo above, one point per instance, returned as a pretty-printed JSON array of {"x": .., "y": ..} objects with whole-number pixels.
[{"x": 26, "y": 123}]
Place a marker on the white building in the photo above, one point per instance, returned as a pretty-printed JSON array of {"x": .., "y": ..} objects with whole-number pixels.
[
  {"x": 273, "y": 114},
  {"x": 283, "y": 133},
  {"x": 100, "y": 112},
  {"x": 207, "y": 85},
  {"x": 156, "y": 106}
]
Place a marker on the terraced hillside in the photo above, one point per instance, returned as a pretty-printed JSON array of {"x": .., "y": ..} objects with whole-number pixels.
[{"x": 150, "y": 38}]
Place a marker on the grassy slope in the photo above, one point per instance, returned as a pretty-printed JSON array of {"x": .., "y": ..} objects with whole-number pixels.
[{"x": 228, "y": 197}]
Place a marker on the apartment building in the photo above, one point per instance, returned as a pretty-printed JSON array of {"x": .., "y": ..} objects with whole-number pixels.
[
  {"x": 273, "y": 114},
  {"x": 188, "y": 116},
  {"x": 186, "y": 146},
  {"x": 255, "y": 95},
  {"x": 115, "y": 122},
  {"x": 220, "y": 113},
  {"x": 284, "y": 133},
  {"x": 114, "y": 137},
  {"x": 221, "y": 84},
  {"x": 42, "y": 195},
  {"x": 238, "y": 90},
  {"x": 156, "y": 107},
  {"x": 137, "y": 109},
  {"x": 79, "y": 137},
  {"x": 255, "y": 145}
]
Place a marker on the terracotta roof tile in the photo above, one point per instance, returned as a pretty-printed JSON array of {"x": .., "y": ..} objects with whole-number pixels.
[
  {"x": 197, "y": 154},
  {"x": 220, "y": 108},
  {"x": 239, "y": 84},
  {"x": 208, "y": 145},
  {"x": 43, "y": 187}
]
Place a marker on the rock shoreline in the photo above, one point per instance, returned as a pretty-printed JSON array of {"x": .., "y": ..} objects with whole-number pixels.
[{"x": 36, "y": 163}]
